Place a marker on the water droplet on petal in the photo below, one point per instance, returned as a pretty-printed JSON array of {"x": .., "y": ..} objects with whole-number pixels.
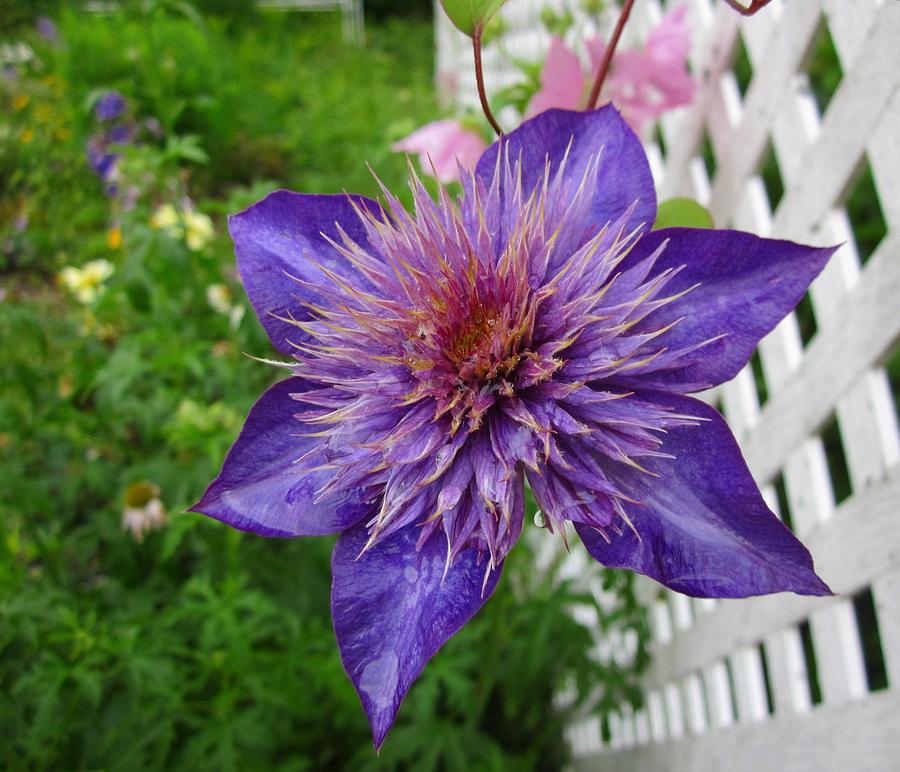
[{"x": 539, "y": 520}]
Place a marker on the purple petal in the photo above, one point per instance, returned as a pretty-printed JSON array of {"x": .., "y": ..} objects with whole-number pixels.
[
  {"x": 704, "y": 527},
  {"x": 279, "y": 238},
  {"x": 624, "y": 174},
  {"x": 392, "y": 612},
  {"x": 47, "y": 29},
  {"x": 260, "y": 489},
  {"x": 109, "y": 106},
  {"x": 746, "y": 286}
]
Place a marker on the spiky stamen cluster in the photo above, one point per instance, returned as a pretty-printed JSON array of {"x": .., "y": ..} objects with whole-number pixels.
[{"x": 480, "y": 340}]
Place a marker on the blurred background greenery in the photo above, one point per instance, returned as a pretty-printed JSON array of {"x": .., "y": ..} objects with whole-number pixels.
[{"x": 134, "y": 636}]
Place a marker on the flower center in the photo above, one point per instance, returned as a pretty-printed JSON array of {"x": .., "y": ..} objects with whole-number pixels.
[
  {"x": 482, "y": 350},
  {"x": 474, "y": 346}
]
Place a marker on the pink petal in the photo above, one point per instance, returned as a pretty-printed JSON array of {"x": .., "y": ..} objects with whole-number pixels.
[
  {"x": 596, "y": 48},
  {"x": 562, "y": 80},
  {"x": 646, "y": 83},
  {"x": 670, "y": 40},
  {"x": 441, "y": 145}
]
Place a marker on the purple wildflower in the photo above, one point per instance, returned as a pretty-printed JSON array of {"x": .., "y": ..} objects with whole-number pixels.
[
  {"x": 46, "y": 28},
  {"x": 109, "y": 106},
  {"x": 103, "y": 160},
  {"x": 533, "y": 329}
]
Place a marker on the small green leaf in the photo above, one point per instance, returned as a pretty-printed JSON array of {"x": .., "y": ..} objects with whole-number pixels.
[
  {"x": 682, "y": 213},
  {"x": 470, "y": 16}
]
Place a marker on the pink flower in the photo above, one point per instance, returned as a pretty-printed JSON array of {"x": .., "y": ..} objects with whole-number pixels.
[
  {"x": 441, "y": 145},
  {"x": 643, "y": 83},
  {"x": 647, "y": 82},
  {"x": 562, "y": 80}
]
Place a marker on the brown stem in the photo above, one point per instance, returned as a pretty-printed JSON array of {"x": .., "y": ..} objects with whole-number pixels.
[
  {"x": 479, "y": 80},
  {"x": 608, "y": 54},
  {"x": 748, "y": 10}
]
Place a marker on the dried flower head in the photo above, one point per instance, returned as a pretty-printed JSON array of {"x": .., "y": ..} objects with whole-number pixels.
[{"x": 143, "y": 510}]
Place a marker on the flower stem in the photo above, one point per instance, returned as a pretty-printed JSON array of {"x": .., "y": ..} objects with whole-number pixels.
[
  {"x": 479, "y": 80},
  {"x": 748, "y": 10},
  {"x": 608, "y": 54}
]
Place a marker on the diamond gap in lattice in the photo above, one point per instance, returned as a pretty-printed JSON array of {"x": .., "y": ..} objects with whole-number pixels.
[
  {"x": 704, "y": 701},
  {"x": 743, "y": 70},
  {"x": 784, "y": 507},
  {"x": 759, "y": 379},
  {"x": 605, "y": 731},
  {"x": 709, "y": 157},
  {"x": 806, "y": 319},
  {"x": 658, "y": 138},
  {"x": 892, "y": 365},
  {"x": 770, "y": 702},
  {"x": 771, "y": 177},
  {"x": 809, "y": 656},
  {"x": 864, "y": 211},
  {"x": 823, "y": 68},
  {"x": 732, "y": 692},
  {"x": 870, "y": 639},
  {"x": 837, "y": 461}
]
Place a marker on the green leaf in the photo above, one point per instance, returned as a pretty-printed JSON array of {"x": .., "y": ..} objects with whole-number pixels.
[
  {"x": 470, "y": 16},
  {"x": 682, "y": 213}
]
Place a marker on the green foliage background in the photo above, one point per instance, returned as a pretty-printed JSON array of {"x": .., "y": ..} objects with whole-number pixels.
[{"x": 200, "y": 647}]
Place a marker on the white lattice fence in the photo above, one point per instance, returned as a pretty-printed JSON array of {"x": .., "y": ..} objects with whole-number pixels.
[{"x": 783, "y": 682}]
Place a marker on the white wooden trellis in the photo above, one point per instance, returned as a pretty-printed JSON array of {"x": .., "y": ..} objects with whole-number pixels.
[{"x": 706, "y": 703}]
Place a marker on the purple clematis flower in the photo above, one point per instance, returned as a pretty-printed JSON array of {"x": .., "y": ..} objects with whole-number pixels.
[{"x": 535, "y": 329}]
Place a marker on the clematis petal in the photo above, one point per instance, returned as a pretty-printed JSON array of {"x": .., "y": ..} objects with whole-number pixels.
[
  {"x": 393, "y": 608},
  {"x": 261, "y": 489},
  {"x": 623, "y": 176},
  {"x": 704, "y": 527},
  {"x": 744, "y": 285},
  {"x": 280, "y": 240}
]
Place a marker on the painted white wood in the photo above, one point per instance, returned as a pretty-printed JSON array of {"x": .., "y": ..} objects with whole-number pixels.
[
  {"x": 657, "y": 714},
  {"x": 749, "y": 684},
  {"x": 695, "y": 704},
  {"x": 787, "y": 671},
  {"x": 718, "y": 695},
  {"x": 674, "y": 710},
  {"x": 861, "y": 737}
]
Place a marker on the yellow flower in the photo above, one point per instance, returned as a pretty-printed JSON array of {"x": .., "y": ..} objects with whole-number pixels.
[
  {"x": 62, "y": 134},
  {"x": 86, "y": 283},
  {"x": 166, "y": 218},
  {"x": 26, "y": 136},
  {"x": 192, "y": 226},
  {"x": 219, "y": 297},
  {"x": 43, "y": 113},
  {"x": 20, "y": 101},
  {"x": 199, "y": 230},
  {"x": 114, "y": 237}
]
